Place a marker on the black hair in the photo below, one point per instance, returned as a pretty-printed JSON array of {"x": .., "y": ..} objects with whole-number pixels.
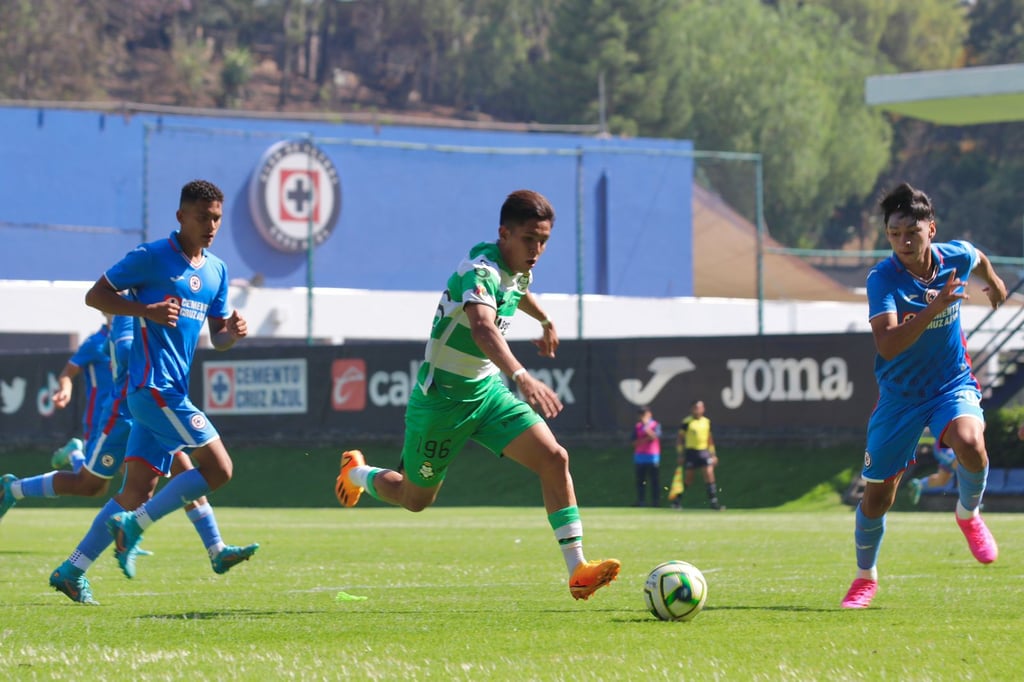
[
  {"x": 906, "y": 200},
  {"x": 200, "y": 190},
  {"x": 524, "y": 205}
]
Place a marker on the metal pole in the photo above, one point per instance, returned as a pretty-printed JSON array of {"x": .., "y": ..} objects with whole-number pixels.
[
  {"x": 309, "y": 251},
  {"x": 579, "y": 244},
  {"x": 759, "y": 167},
  {"x": 145, "y": 182}
]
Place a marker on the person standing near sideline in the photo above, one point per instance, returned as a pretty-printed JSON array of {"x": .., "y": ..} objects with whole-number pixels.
[
  {"x": 924, "y": 377},
  {"x": 460, "y": 395},
  {"x": 647, "y": 457},
  {"x": 695, "y": 446}
]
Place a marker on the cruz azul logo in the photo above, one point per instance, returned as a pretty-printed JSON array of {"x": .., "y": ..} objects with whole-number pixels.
[
  {"x": 786, "y": 380},
  {"x": 294, "y": 193}
]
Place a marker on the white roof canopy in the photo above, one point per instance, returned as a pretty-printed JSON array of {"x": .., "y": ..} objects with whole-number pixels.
[{"x": 983, "y": 94}]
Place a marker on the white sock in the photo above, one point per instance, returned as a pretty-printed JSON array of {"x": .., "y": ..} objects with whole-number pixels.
[
  {"x": 572, "y": 551},
  {"x": 963, "y": 512},
  {"x": 359, "y": 474},
  {"x": 868, "y": 573}
]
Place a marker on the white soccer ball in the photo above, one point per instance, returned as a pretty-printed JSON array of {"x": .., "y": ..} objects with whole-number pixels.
[{"x": 675, "y": 590}]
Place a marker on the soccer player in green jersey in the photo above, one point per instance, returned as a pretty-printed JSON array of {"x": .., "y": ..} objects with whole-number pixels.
[{"x": 460, "y": 394}]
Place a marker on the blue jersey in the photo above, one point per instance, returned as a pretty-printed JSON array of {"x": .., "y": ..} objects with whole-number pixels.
[
  {"x": 93, "y": 358},
  {"x": 937, "y": 362},
  {"x": 158, "y": 271}
]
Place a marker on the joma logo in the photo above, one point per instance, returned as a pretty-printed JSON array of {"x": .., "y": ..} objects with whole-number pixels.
[{"x": 786, "y": 380}]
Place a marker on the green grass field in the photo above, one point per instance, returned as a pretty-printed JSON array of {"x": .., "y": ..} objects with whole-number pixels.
[{"x": 479, "y": 593}]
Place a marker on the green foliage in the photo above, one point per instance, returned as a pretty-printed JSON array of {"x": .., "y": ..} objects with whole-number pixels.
[
  {"x": 235, "y": 73},
  {"x": 996, "y": 32},
  {"x": 1005, "y": 449},
  {"x": 480, "y": 594}
]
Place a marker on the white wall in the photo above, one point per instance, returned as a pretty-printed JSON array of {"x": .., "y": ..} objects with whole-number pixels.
[{"x": 339, "y": 314}]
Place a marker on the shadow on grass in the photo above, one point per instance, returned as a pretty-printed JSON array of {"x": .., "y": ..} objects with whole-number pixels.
[{"x": 213, "y": 615}]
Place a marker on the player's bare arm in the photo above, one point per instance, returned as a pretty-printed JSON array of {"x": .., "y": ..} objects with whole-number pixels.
[
  {"x": 892, "y": 337},
  {"x": 105, "y": 298},
  {"x": 547, "y": 344},
  {"x": 65, "y": 385},
  {"x": 224, "y": 333},
  {"x": 996, "y": 289},
  {"x": 495, "y": 347}
]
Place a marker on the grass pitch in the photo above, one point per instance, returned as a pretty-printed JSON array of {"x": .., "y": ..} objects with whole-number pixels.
[{"x": 480, "y": 594}]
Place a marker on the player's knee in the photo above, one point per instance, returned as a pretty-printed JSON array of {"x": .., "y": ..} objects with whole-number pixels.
[
  {"x": 416, "y": 505},
  {"x": 558, "y": 459}
]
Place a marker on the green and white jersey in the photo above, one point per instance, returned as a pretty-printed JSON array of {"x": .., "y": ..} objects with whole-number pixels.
[{"x": 454, "y": 364}]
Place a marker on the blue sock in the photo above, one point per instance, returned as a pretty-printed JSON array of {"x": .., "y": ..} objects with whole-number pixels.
[
  {"x": 98, "y": 538},
  {"x": 971, "y": 485},
  {"x": 38, "y": 486},
  {"x": 77, "y": 459},
  {"x": 179, "y": 491},
  {"x": 867, "y": 536},
  {"x": 206, "y": 525}
]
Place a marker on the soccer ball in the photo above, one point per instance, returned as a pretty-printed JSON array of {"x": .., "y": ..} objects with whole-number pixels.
[{"x": 675, "y": 590}]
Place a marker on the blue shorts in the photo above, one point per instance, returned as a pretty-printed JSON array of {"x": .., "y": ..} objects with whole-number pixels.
[
  {"x": 104, "y": 452},
  {"x": 896, "y": 426},
  {"x": 164, "y": 424}
]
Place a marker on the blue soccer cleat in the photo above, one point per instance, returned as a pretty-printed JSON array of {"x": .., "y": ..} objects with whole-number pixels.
[
  {"x": 127, "y": 535},
  {"x": 6, "y": 497},
  {"x": 62, "y": 455},
  {"x": 231, "y": 556},
  {"x": 71, "y": 580}
]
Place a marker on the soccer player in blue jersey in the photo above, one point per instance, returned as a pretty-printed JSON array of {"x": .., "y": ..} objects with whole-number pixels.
[
  {"x": 106, "y": 451},
  {"x": 92, "y": 362},
  {"x": 175, "y": 285},
  {"x": 924, "y": 377}
]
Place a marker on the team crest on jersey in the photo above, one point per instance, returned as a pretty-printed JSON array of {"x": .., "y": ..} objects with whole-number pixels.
[
  {"x": 198, "y": 421},
  {"x": 522, "y": 282},
  {"x": 427, "y": 471},
  {"x": 930, "y": 295},
  {"x": 195, "y": 283},
  {"x": 107, "y": 460},
  {"x": 294, "y": 193}
]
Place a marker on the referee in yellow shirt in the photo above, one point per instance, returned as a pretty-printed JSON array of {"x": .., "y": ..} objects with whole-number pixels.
[{"x": 696, "y": 448}]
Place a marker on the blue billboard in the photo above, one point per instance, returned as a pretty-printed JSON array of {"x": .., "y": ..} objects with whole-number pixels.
[{"x": 387, "y": 207}]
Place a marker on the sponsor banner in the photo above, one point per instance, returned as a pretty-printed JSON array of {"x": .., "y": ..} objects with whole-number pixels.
[
  {"x": 27, "y": 412},
  {"x": 767, "y": 384},
  {"x": 255, "y": 386}
]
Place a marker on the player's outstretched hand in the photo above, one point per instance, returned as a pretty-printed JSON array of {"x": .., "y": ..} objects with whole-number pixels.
[
  {"x": 61, "y": 397},
  {"x": 548, "y": 343},
  {"x": 236, "y": 325},
  {"x": 953, "y": 291},
  {"x": 539, "y": 396}
]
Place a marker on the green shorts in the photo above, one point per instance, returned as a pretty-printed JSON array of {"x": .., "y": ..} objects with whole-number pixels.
[{"x": 436, "y": 428}]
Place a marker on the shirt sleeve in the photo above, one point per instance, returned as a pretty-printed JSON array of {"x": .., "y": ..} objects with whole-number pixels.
[
  {"x": 880, "y": 295},
  {"x": 130, "y": 271}
]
